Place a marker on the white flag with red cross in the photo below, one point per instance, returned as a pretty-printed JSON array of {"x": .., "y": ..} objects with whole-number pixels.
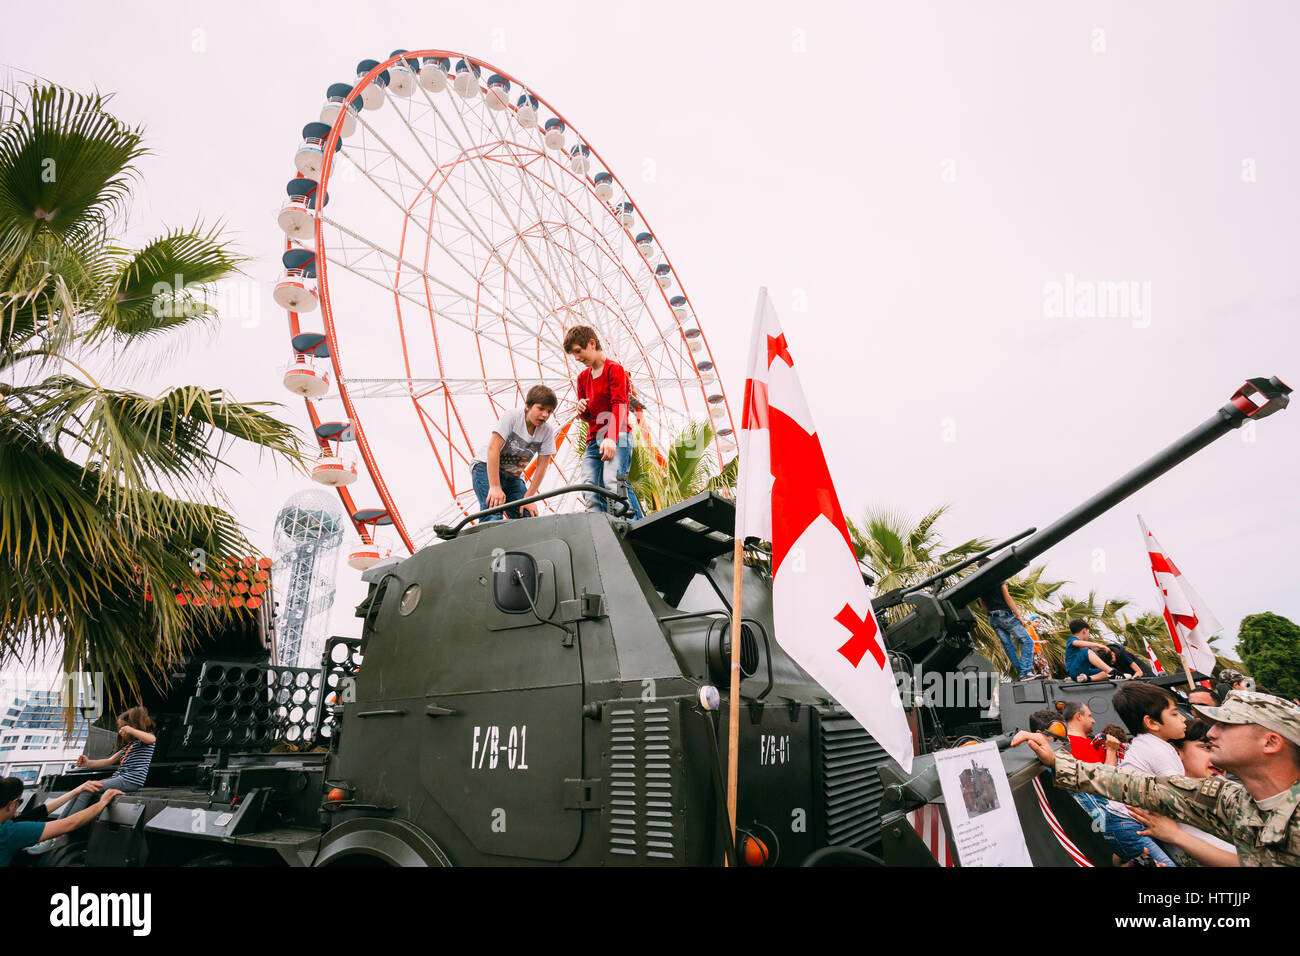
[
  {"x": 1190, "y": 623},
  {"x": 820, "y": 605}
]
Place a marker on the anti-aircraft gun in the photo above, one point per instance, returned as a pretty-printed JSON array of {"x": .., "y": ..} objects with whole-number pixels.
[{"x": 935, "y": 638}]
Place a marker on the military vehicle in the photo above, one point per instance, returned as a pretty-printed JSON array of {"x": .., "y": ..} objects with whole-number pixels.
[{"x": 542, "y": 691}]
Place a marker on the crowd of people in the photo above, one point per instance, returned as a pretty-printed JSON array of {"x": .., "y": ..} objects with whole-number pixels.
[{"x": 1218, "y": 788}]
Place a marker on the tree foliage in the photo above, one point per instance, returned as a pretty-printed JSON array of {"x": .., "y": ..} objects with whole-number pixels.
[
  {"x": 104, "y": 491},
  {"x": 1269, "y": 645}
]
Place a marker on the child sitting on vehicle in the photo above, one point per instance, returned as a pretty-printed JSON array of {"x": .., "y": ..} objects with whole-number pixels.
[
  {"x": 134, "y": 756},
  {"x": 1082, "y": 661}
]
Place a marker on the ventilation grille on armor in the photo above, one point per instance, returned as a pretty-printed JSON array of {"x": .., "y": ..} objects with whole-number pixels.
[
  {"x": 641, "y": 815},
  {"x": 851, "y": 788}
]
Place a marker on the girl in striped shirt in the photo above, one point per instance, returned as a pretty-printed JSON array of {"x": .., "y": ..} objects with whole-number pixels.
[
  {"x": 133, "y": 733},
  {"x": 134, "y": 755}
]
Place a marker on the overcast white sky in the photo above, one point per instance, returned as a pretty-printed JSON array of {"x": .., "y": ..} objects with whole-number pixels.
[{"x": 906, "y": 179}]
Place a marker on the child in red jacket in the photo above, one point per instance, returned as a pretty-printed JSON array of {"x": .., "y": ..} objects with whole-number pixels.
[{"x": 603, "y": 393}]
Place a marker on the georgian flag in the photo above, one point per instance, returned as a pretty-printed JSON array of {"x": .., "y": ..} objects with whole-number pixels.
[
  {"x": 820, "y": 605},
  {"x": 1189, "y": 621},
  {"x": 1151, "y": 656}
]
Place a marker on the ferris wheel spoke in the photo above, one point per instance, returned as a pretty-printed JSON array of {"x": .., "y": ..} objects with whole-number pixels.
[
  {"x": 555, "y": 189},
  {"x": 434, "y": 197},
  {"x": 441, "y": 245},
  {"x": 390, "y": 288},
  {"x": 493, "y": 192},
  {"x": 437, "y": 196},
  {"x": 627, "y": 338},
  {"x": 554, "y": 171},
  {"x": 417, "y": 270},
  {"x": 556, "y": 194},
  {"x": 550, "y": 166}
]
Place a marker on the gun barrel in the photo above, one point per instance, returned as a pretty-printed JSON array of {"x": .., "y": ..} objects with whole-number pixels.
[{"x": 1258, "y": 398}]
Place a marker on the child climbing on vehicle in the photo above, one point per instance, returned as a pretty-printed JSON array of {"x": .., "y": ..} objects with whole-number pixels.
[{"x": 603, "y": 403}]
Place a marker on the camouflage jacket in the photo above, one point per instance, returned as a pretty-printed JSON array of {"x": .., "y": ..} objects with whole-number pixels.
[{"x": 1262, "y": 838}]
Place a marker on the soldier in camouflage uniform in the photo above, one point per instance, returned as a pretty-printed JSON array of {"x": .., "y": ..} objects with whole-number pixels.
[{"x": 1256, "y": 737}]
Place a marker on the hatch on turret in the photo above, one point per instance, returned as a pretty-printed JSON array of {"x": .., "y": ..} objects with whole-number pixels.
[{"x": 673, "y": 544}]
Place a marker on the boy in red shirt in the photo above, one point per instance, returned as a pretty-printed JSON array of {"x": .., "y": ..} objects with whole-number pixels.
[{"x": 603, "y": 404}]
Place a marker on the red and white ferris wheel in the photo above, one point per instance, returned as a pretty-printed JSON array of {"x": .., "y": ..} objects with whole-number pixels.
[{"x": 446, "y": 226}]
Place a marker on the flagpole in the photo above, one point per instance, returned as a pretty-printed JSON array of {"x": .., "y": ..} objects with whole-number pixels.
[
  {"x": 1187, "y": 670},
  {"x": 733, "y": 695}
]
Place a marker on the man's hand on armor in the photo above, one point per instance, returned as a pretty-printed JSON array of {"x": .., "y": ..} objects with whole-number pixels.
[{"x": 1038, "y": 743}]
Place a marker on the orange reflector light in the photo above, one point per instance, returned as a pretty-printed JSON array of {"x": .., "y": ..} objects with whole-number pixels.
[
  {"x": 336, "y": 795},
  {"x": 755, "y": 851}
]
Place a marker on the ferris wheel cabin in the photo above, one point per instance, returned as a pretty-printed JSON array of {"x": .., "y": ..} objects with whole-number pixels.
[
  {"x": 298, "y": 215},
  {"x": 339, "y": 98},
  {"x": 303, "y": 377}
]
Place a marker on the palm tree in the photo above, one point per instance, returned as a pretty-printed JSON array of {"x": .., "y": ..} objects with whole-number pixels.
[
  {"x": 902, "y": 552},
  {"x": 1149, "y": 627},
  {"x": 104, "y": 492},
  {"x": 686, "y": 469}
]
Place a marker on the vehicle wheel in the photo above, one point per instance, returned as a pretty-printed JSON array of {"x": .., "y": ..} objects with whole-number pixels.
[
  {"x": 70, "y": 854},
  {"x": 211, "y": 859}
]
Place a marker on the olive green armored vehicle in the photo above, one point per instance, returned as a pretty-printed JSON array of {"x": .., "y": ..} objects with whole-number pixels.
[{"x": 530, "y": 692}]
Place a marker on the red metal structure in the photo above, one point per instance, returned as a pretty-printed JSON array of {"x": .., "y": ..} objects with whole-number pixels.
[{"x": 457, "y": 232}]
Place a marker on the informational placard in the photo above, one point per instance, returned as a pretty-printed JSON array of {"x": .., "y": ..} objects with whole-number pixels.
[{"x": 985, "y": 828}]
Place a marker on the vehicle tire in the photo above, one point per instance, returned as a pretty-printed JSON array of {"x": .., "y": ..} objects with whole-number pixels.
[
  {"x": 842, "y": 856},
  {"x": 70, "y": 854},
  {"x": 211, "y": 859}
]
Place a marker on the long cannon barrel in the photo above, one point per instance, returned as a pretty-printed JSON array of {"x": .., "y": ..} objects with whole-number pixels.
[{"x": 1257, "y": 399}]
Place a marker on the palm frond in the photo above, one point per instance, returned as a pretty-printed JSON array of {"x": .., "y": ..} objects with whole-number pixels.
[
  {"x": 164, "y": 285},
  {"x": 141, "y": 443},
  {"x": 65, "y": 166}
]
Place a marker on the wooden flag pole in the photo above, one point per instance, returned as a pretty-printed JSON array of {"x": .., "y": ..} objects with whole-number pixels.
[
  {"x": 733, "y": 695},
  {"x": 1187, "y": 670}
]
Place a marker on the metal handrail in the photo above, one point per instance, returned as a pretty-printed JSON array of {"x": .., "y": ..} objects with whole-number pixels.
[{"x": 447, "y": 533}]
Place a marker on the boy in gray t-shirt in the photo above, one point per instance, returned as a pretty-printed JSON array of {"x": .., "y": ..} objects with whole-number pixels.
[{"x": 521, "y": 435}]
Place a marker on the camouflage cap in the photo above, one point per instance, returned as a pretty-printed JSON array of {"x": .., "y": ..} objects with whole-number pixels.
[{"x": 1251, "y": 707}]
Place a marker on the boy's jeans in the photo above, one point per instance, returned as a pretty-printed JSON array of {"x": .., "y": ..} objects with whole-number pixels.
[
  {"x": 605, "y": 473},
  {"x": 1009, "y": 631},
  {"x": 1121, "y": 833},
  {"x": 513, "y": 486}
]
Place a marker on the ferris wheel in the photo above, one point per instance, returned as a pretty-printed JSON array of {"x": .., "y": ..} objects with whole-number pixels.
[{"x": 446, "y": 226}]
